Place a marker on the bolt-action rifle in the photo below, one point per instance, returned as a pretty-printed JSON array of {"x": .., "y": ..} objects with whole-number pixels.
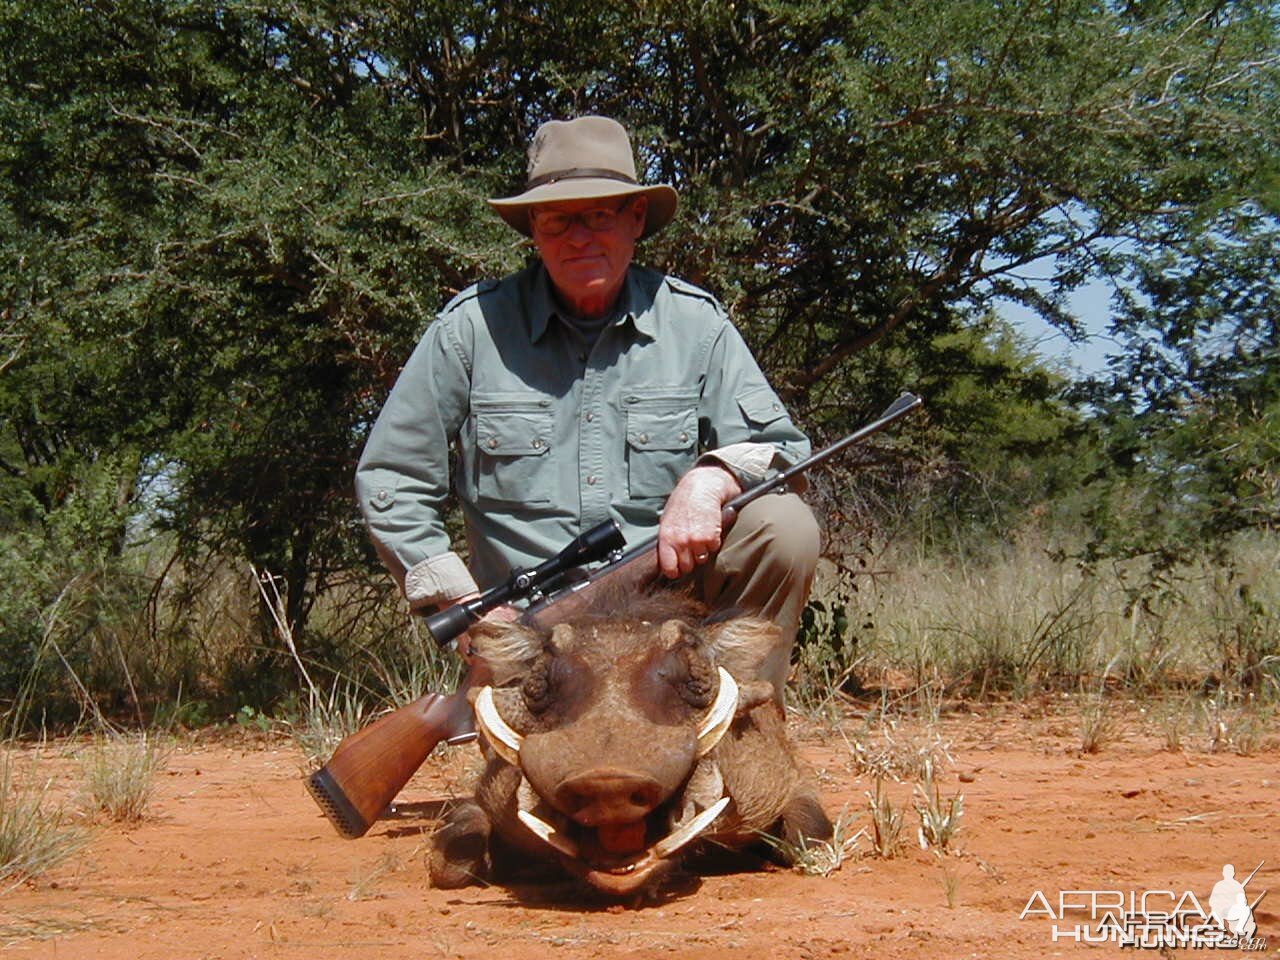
[{"x": 371, "y": 766}]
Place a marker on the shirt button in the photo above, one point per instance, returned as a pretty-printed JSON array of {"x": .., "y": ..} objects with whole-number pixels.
[
  {"x": 684, "y": 438},
  {"x": 591, "y": 480},
  {"x": 537, "y": 443},
  {"x": 382, "y": 496},
  {"x": 493, "y": 443},
  {"x": 643, "y": 438},
  {"x": 590, "y": 416}
]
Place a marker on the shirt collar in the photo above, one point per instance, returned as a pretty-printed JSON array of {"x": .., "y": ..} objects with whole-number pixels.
[{"x": 633, "y": 305}]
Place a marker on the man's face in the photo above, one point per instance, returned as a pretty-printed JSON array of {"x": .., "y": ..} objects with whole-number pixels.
[{"x": 588, "y": 263}]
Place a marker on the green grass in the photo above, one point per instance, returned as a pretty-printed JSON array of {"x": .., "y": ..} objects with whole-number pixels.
[{"x": 325, "y": 721}]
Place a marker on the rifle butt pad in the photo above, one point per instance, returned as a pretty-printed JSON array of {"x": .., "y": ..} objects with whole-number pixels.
[{"x": 334, "y": 804}]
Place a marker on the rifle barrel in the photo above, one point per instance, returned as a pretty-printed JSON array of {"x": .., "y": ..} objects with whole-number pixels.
[{"x": 905, "y": 404}]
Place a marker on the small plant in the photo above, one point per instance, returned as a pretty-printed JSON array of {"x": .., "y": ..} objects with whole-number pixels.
[
  {"x": 821, "y": 858},
  {"x": 1172, "y": 720},
  {"x": 951, "y": 883},
  {"x": 1218, "y": 737},
  {"x": 120, "y": 775},
  {"x": 251, "y": 719},
  {"x": 1098, "y": 725},
  {"x": 826, "y": 659},
  {"x": 886, "y": 823},
  {"x": 1251, "y": 723},
  {"x": 939, "y": 820},
  {"x": 35, "y": 834}
]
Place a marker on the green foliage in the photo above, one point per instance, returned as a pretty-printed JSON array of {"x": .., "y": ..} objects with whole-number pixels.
[
  {"x": 1192, "y": 415},
  {"x": 826, "y": 656}
]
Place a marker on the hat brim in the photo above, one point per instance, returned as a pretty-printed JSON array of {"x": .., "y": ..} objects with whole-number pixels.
[{"x": 661, "y": 209}]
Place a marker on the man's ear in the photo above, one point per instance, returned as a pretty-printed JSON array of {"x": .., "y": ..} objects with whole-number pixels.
[{"x": 639, "y": 209}]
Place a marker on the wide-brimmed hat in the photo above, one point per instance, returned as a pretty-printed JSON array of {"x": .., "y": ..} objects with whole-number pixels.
[{"x": 584, "y": 159}]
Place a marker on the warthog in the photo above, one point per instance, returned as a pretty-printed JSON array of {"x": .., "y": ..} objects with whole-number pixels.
[{"x": 612, "y": 742}]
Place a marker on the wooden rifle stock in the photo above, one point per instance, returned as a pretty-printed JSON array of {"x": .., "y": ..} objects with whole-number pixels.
[{"x": 370, "y": 767}]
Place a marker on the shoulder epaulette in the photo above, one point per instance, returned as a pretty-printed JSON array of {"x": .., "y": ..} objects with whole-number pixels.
[
  {"x": 689, "y": 290},
  {"x": 470, "y": 293}
]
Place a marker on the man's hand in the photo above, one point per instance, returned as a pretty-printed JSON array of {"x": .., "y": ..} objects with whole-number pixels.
[{"x": 689, "y": 531}]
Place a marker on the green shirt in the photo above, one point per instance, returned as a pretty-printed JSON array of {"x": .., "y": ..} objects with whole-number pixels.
[{"x": 549, "y": 437}]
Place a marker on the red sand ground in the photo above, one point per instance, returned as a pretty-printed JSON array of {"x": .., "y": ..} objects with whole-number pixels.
[{"x": 234, "y": 861}]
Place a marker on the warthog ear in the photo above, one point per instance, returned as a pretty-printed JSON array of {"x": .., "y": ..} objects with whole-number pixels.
[
  {"x": 741, "y": 644},
  {"x": 507, "y": 648}
]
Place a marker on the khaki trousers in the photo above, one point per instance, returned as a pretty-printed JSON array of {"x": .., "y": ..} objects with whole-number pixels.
[{"x": 764, "y": 568}]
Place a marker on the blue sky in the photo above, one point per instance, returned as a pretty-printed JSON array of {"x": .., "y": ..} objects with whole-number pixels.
[{"x": 1092, "y": 304}]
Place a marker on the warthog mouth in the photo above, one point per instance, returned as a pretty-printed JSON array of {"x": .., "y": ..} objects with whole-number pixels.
[{"x": 619, "y": 858}]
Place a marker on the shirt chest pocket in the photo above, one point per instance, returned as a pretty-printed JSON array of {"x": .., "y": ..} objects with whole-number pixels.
[
  {"x": 513, "y": 450},
  {"x": 662, "y": 443}
]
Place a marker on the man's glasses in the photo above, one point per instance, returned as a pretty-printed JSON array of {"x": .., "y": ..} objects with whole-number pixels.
[{"x": 552, "y": 223}]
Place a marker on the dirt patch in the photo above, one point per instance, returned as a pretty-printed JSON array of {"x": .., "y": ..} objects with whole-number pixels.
[{"x": 235, "y": 861}]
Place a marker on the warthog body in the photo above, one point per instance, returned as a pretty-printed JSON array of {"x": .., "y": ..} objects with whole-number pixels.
[{"x": 613, "y": 742}]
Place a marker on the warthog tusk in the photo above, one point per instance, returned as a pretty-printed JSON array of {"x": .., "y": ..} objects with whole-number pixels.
[
  {"x": 504, "y": 741},
  {"x": 673, "y": 842},
  {"x": 547, "y": 833},
  {"x": 720, "y": 715}
]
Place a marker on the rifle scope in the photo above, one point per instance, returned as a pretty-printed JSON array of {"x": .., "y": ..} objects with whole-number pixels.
[{"x": 594, "y": 545}]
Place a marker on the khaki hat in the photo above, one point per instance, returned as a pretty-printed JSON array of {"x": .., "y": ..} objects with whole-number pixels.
[{"x": 583, "y": 159}]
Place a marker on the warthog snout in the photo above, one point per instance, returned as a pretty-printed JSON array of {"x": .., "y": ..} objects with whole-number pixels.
[{"x": 607, "y": 796}]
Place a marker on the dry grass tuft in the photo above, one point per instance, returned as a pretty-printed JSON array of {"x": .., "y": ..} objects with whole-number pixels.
[
  {"x": 886, "y": 823},
  {"x": 821, "y": 858},
  {"x": 35, "y": 832},
  {"x": 120, "y": 775},
  {"x": 1098, "y": 724},
  {"x": 939, "y": 820}
]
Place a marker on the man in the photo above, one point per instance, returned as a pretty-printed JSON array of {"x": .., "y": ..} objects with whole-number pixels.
[{"x": 585, "y": 388}]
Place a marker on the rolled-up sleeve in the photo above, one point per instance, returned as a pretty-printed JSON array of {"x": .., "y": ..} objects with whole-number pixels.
[
  {"x": 402, "y": 479},
  {"x": 745, "y": 426}
]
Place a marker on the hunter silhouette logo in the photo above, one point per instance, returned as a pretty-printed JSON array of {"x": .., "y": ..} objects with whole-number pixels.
[
  {"x": 1156, "y": 919},
  {"x": 1230, "y": 903}
]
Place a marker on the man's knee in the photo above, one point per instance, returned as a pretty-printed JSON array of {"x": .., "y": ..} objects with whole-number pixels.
[{"x": 784, "y": 531}]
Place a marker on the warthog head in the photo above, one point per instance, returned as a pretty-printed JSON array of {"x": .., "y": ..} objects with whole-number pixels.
[{"x": 613, "y": 742}]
